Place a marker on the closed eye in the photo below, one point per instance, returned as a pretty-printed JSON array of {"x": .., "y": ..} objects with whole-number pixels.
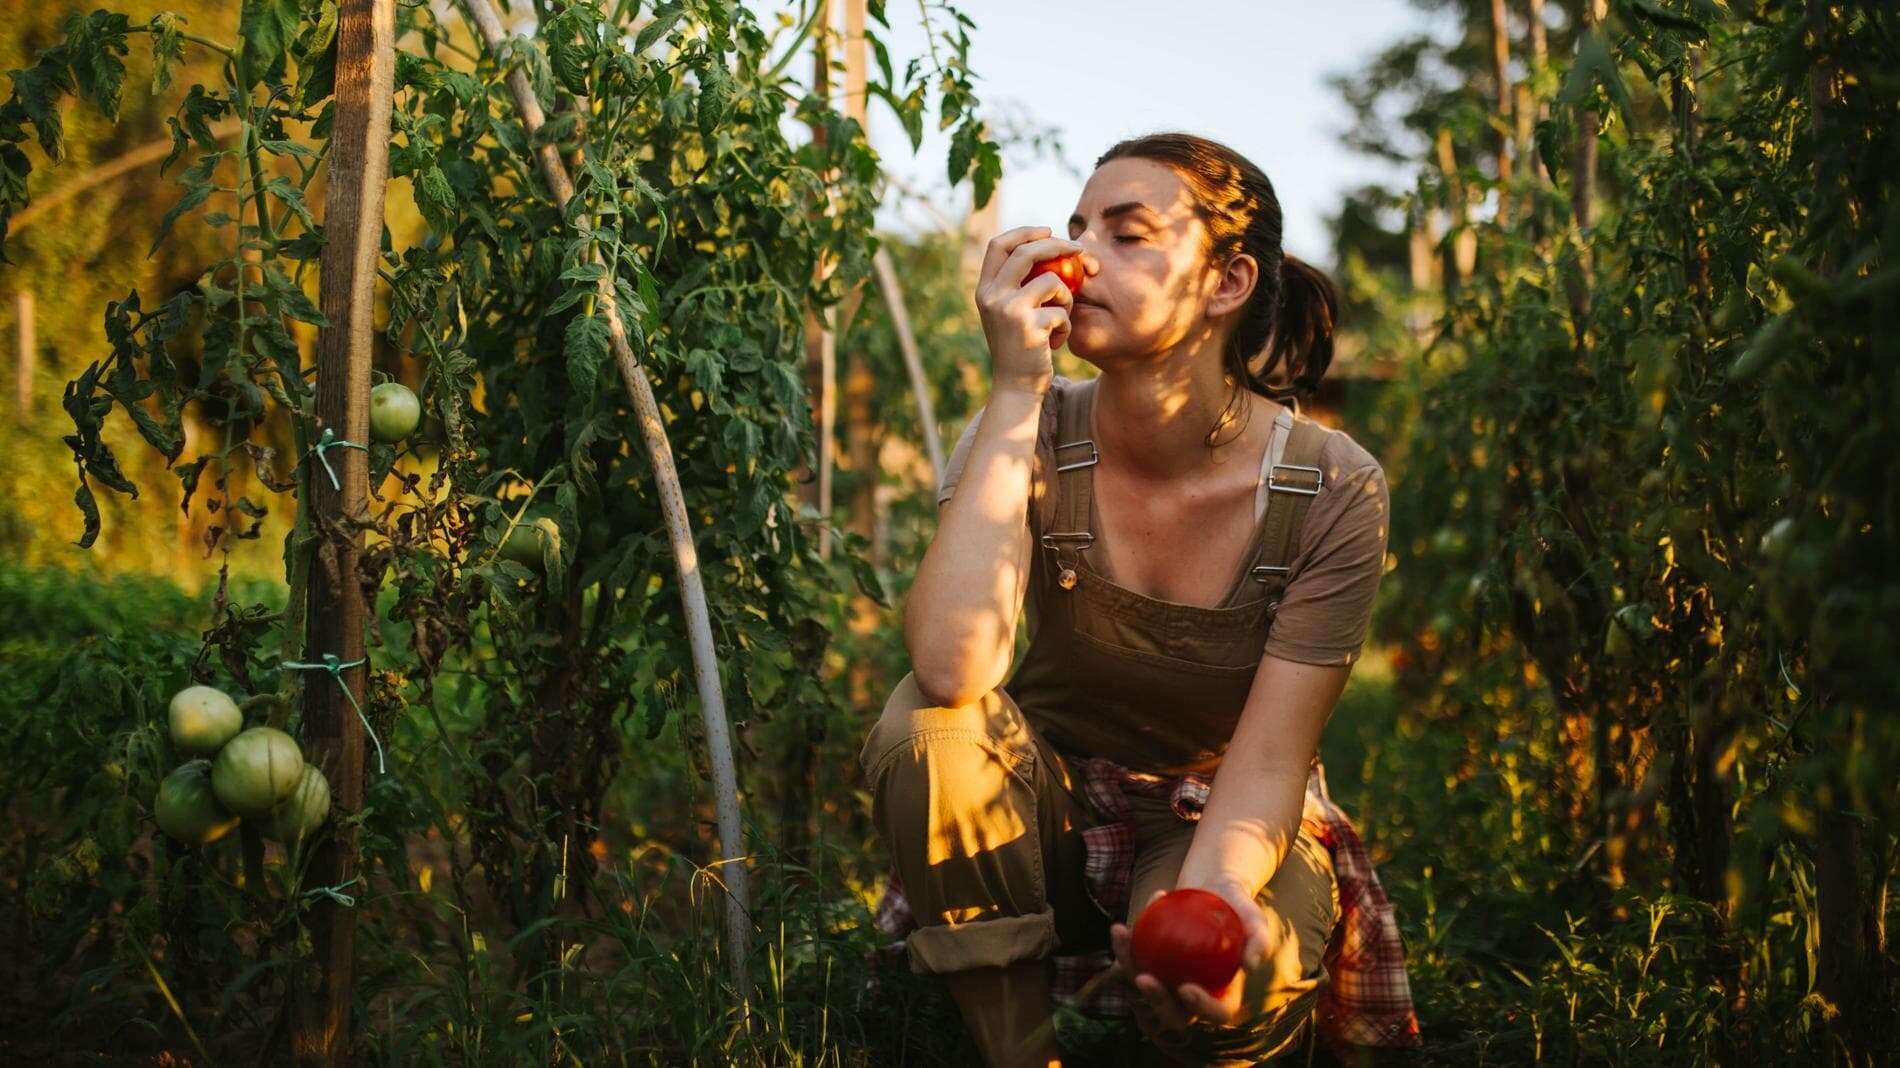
[{"x": 1126, "y": 237}]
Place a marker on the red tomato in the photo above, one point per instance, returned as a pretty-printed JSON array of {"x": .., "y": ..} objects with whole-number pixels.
[
  {"x": 1190, "y": 936},
  {"x": 1067, "y": 268}
]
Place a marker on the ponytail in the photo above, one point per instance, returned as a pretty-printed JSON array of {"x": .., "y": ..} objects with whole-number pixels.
[{"x": 1302, "y": 338}]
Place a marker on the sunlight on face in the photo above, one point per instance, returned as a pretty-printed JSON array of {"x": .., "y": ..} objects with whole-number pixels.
[{"x": 1137, "y": 217}]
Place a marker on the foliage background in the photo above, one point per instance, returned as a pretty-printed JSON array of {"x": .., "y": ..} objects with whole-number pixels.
[{"x": 1619, "y": 761}]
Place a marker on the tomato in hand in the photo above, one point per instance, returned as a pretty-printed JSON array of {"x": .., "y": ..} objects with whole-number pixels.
[
  {"x": 1068, "y": 269},
  {"x": 1190, "y": 936}
]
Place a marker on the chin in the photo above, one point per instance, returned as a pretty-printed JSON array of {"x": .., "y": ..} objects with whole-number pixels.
[{"x": 1095, "y": 345}]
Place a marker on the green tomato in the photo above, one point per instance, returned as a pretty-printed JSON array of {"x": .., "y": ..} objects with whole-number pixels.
[
  {"x": 203, "y": 718},
  {"x": 525, "y": 541},
  {"x": 523, "y": 547},
  {"x": 303, "y": 811},
  {"x": 393, "y": 412},
  {"x": 256, "y": 770},
  {"x": 188, "y": 810},
  {"x": 1616, "y": 641}
]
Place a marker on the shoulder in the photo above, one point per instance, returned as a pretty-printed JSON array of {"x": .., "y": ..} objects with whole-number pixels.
[
  {"x": 1354, "y": 501},
  {"x": 1342, "y": 459}
]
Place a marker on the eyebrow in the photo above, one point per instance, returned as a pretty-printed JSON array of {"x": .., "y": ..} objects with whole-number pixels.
[{"x": 1124, "y": 208}]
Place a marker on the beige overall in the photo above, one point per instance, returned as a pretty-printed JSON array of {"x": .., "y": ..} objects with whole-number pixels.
[{"x": 983, "y": 816}]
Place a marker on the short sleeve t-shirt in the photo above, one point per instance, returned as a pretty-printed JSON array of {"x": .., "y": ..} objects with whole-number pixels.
[{"x": 1338, "y": 555}]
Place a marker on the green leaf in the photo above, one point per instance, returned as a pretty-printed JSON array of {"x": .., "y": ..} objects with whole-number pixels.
[
  {"x": 435, "y": 199},
  {"x": 291, "y": 298},
  {"x": 1594, "y": 66},
  {"x": 585, "y": 346},
  {"x": 168, "y": 50},
  {"x": 664, "y": 18},
  {"x": 291, "y": 197},
  {"x": 194, "y": 196},
  {"x": 266, "y": 27},
  {"x": 1662, "y": 16}
]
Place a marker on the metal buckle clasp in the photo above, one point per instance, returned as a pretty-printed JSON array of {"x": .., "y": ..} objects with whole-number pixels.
[
  {"x": 1319, "y": 480},
  {"x": 1093, "y": 455},
  {"x": 1087, "y": 539}
]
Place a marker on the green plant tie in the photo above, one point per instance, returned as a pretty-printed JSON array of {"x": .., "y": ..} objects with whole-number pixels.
[
  {"x": 329, "y": 440},
  {"x": 335, "y": 668},
  {"x": 335, "y": 893}
]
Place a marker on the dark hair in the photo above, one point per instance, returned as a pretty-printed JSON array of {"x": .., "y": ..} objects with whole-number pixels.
[{"x": 1283, "y": 342}]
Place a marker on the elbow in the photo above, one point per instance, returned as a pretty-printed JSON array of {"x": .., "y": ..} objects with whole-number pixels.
[
  {"x": 944, "y": 685},
  {"x": 949, "y": 685}
]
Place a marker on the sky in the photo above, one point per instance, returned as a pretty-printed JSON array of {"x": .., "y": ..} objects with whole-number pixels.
[{"x": 1250, "y": 73}]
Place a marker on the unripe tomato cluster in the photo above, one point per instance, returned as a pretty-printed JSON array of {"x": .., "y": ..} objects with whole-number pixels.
[
  {"x": 254, "y": 774},
  {"x": 1190, "y": 936}
]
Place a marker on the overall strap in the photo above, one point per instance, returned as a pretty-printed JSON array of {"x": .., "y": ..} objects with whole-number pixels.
[
  {"x": 1291, "y": 486},
  {"x": 1075, "y": 453}
]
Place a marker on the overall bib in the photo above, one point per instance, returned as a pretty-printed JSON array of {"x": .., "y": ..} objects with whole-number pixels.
[{"x": 983, "y": 807}]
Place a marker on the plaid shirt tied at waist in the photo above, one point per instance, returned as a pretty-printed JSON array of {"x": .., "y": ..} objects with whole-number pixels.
[{"x": 1368, "y": 1000}]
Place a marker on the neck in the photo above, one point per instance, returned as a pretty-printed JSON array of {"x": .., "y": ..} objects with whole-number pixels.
[{"x": 1153, "y": 419}]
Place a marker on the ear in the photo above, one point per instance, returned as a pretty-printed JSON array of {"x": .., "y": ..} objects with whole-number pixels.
[{"x": 1236, "y": 284}]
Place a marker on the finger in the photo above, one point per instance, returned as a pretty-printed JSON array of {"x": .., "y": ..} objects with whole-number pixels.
[
  {"x": 1029, "y": 253},
  {"x": 1119, "y": 940},
  {"x": 1202, "y": 1003},
  {"x": 1003, "y": 244},
  {"x": 1051, "y": 319},
  {"x": 1047, "y": 289},
  {"x": 1167, "y": 1009}
]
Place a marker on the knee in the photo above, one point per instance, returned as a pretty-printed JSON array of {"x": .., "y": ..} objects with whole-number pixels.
[{"x": 909, "y": 718}]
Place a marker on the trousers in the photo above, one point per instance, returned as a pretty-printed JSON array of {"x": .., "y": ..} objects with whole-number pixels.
[{"x": 984, "y": 822}]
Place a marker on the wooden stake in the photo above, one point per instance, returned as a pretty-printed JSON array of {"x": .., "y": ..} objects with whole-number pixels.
[{"x": 332, "y": 734}]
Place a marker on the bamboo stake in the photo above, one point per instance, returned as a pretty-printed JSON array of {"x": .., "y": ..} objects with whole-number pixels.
[
  {"x": 913, "y": 359},
  {"x": 679, "y": 534}
]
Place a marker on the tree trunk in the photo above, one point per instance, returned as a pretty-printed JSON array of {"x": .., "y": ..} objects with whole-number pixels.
[
  {"x": 1464, "y": 251},
  {"x": 25, "y": 353},
  {"x": 1501, "y": 78},
  {"x": 333, "y": 737},
  {"x": 1583, "y": 189}
]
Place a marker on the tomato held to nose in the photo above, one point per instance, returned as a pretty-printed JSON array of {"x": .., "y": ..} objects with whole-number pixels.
[
  {"x": 1190, "y": 936},
  {"x": 1067, "y": 268}
]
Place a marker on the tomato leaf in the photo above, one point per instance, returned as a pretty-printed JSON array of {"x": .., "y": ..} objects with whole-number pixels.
[{"x": 585, "y": 346}]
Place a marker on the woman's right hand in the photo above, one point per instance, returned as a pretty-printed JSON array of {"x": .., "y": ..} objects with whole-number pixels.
[{"x": 1024, "y": 324}]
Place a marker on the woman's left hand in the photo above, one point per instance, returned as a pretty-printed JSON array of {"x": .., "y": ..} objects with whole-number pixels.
[{"x": 1178, "y": 1008}]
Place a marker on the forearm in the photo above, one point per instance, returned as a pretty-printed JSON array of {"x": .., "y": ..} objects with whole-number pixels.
[
  {"x": 960, "y": 614},
  {"x": 1248, "y": 826},
  {"x": 1253, "y": 812}
]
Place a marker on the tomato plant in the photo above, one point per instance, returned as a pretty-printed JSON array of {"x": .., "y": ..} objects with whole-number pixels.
[{"x": 1190, "y": 935}]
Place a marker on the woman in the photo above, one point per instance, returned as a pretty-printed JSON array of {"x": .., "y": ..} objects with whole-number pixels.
[{"x": 1198, "y": 564}]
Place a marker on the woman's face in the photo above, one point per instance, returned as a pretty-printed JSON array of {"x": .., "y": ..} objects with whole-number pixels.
[{"x": 1155, "y": 291}]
